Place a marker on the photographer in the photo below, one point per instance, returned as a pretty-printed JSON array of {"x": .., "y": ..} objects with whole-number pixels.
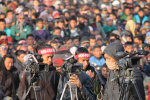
[
  {"x": 84, "y": 84},
  {"x": 49, "y": 79},
  {"x": 112, "y": 90}
]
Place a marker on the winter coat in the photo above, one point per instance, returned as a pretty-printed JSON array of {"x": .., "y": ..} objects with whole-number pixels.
[
  {"x": 84, "y": 93},
  {"x": 138, "y": 20},
  {"x": 112, "y": 90},
  {"x": 109, "y": 29},
  {"x": 48, "y": 84},
  {"x": 124, "y": 17},
  {"x": 26, "y": 30},
  {"x": 9, "y": 80}
]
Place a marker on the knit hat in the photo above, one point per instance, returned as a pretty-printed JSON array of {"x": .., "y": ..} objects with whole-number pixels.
[
  {"x": 22, "y": 42},
  {"x": 57, "y": 58},
  {"x": 116, "y": 32},
  {"x": 55, "y": 13},
  {"x": 85, "y": 40},
  {"x": 10, "y": 39},
  {"x": 19, "y": 10},
  {"x": 112, "y": 49}
]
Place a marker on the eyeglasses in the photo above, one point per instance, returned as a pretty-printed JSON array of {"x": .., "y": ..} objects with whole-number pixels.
[{"x": 3, "y": 49}]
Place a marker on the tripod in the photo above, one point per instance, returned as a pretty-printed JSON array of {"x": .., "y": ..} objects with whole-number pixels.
[
  {"x": 35, "y": 89},
  {"x": 73, "y": 91},
  {"x": 126, "y": 82}
]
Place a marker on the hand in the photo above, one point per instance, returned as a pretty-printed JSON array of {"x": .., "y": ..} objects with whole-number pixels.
[
  {"x": 91, "y": 74},
  {"x": 75, "y": 80},
  {"x": 129, "y": 17},
  {"x": 18, "y": 34}
]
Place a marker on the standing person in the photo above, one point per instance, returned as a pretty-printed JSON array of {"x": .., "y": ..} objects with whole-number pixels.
[
  {"x": 112, "y": 90},
  {"x": 20, "y": 29},
  {"x": 49, "y": 79}
]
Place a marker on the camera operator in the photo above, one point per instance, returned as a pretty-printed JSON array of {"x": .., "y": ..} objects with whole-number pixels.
[
  {"x": 49, "y": 79},
  {"x": 9, "y": 78},
  {"x": 112, "y": 90},
  {"x": 84, "y": 84}
]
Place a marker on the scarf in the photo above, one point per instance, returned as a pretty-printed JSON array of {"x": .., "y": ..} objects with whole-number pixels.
[{"x": 20, "y": 25}]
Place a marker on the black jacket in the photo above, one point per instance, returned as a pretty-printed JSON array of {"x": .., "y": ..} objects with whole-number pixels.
[
  {"x": 85, "y": 93},
  {"x": 112, "y": 90},
  {"x": 48, "y": 84}
]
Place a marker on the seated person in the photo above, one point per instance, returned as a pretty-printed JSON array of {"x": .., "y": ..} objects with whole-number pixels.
[
  {"x": 9, "y": 78},
  {"x": 97, "y": 57}
]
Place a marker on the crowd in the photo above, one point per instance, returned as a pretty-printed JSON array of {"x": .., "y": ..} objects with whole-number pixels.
[{"x": 92, "y": 31}]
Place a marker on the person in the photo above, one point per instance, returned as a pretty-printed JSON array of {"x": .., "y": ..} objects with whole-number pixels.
[
  {"x": 140, "y": 17},
  {"x": 49, "y": 79},
  {"x": 97, "y": 57},
  {"x": 57, "y": 31},
  {"x": 75, "y": 41},
  {"x": 129, "y": 47},
  {"x": 30, "y": 40},
  {"x": 92, "y": 41},
  {"x": 138, "y": 41},
  {"x": 20, "y": 30},
  {"x": 54, "y": 44},
  {"x": 20, "y": 60},
  {"x": 40, "y": 32},
  {"x": 3, "y": 35},
  {"x": 3, "y": 27},
  {"x": 109, "y": 27},
  {"x": 112, "y": 88},
  {"x": 9, "y": 14},
  {"x": 84, "y": 84},
  {"x": 9, "y": 77},
  {"x": 3, "y": 51},
  {"x": 68, "y": 42}
]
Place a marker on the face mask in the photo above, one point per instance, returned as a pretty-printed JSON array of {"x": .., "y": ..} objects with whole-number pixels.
[
  {"x": 111, "y": 65},
  {"x": 120, "y": 13}
]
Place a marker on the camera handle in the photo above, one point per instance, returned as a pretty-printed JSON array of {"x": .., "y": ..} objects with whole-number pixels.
[
  {"x": 73, "y": 91},
  {"x": 126, "y": 81}
]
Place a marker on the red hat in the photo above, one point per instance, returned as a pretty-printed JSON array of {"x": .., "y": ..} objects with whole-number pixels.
[
  {"x": 10, "y": 39},
  {"x": 22, "y": 42},
  {"x": 55, "y": 13}
]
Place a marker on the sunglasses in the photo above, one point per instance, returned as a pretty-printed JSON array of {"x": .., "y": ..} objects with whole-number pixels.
[{"x": 3, "y": 49}]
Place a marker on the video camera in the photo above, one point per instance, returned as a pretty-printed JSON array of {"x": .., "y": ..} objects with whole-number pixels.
[
  {"x": 129, "y": 60},
  {"x": 33, "y": 67},
  {"x": 70, "y": 66}
]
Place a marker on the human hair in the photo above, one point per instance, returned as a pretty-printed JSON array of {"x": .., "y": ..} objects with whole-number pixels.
[
  {"x": 92, "y": 37},
  {"x": 39, "y": 20},
  {"x": 73, "y": 18},
  {"x": 113, "y": 35},
  {"x": 53, "y": 41},
  {"x": 66, "y": 39},
  {"x": 141, "y": 10},
  {"x": 19, "y": 52},
  {"x": 30, "y": 35},
  {"x": 73, "y": 38},
  {"x": 146, "y": 22},
  {"x": 2, "y": 20},
  {"x": 8, "y": 56},
  {"x": 61, "y": 20},
  {"x": 137, "y": 6},
  {"x": 25, "y": 9},
  {"x": 140, "y": 37},
  {"x": 96, "y": 46},
  {"x": 9, "y": 11},
  {"x": 126, "y": 8},
  {"x": 81, "y": 50},
  {"x": 2, "y": 33},
  {"x": 56, "y": 28}
]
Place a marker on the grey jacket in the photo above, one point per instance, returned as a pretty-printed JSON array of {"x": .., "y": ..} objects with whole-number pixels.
[
  {"x": 85, "y": 93},
  {"x": 112, "y": 90}
]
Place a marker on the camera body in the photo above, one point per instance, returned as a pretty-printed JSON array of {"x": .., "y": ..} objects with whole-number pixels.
[
  {"x": 70, "y": 66},
  {"x": 129, "y": 60}
]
